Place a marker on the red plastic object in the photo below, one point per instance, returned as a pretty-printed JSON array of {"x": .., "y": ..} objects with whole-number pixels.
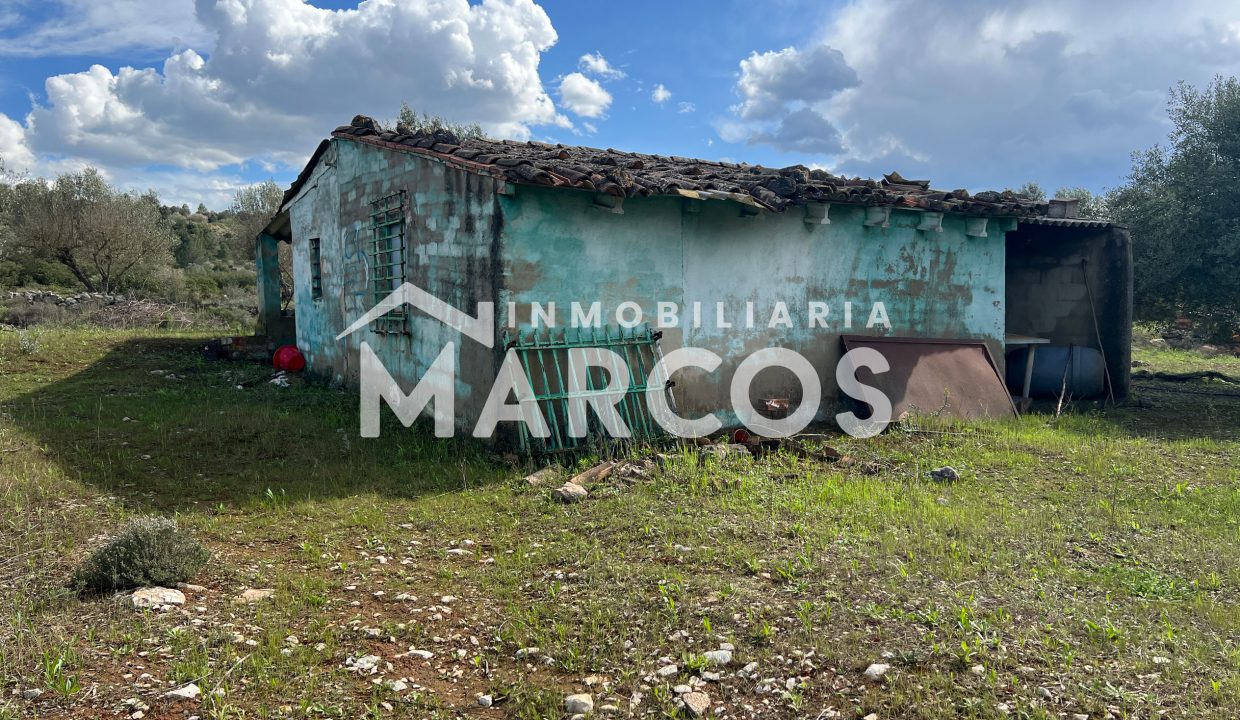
[
  {"x": 288, "y": 358},
  {"x": 740, "y": 436}
]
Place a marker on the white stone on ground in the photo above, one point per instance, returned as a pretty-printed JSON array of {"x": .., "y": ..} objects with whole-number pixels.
[
  {"x": 569, "y": 493},
  {"x": 156, "y": 597},
  {"x": 698, "y": 703},
  {"x": 580, "y": 704},
  {"x": 875, "y": 672},
  {"x": 187, "y": 692},
  {"x": 251, "y": 595}
]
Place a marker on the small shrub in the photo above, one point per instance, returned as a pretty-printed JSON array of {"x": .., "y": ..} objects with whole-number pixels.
[
  {"x": 147, "y": 551},
  {"x": 29, "y": 341}
]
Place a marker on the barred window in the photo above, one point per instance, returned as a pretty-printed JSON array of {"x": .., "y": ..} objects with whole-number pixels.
[
  {"x": 316, "y": 269},
  {"x": 387, "y": 256}
]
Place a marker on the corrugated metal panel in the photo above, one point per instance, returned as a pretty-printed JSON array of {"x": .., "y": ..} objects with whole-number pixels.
[
  {"x": 1069, "y": 222},
  {"x": 950, "y": 377}
]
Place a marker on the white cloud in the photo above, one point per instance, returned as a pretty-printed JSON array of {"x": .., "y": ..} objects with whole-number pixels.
[
  {"x": 596, "y": 64},
  {"x": 771, "y": 81},
  {"x": 685, "y": 107},
  {"x": 804, "y": 130},
  {"x": 584, "y": 96},
  {"x": 660, "y": 94},
  {"x": 13, "y": 150},
  {"x": 994, "y": 95},
  {"x": 283, "y": 73},
  {"x": 91, "y": 27},
  {"x": 778, "y": 90}
]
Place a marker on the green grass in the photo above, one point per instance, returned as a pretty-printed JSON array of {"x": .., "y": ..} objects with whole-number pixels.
[{"x": 1072, "y": 553}]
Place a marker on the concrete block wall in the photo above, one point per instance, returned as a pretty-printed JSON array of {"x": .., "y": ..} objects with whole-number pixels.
[{"x": 1047, "y": 293}]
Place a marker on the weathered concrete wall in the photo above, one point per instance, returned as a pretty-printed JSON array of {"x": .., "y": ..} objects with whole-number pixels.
[
  {"x": 1048, "y": 296},
  {"x": 559, "y": 247},
  {"x": 452, "y": 235}
]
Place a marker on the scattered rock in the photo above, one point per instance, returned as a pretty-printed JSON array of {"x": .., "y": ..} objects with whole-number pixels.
[
  {"x": 947, "y": 473},
  {"x": 187, "y": 692},
  {"x": 253, "y": 595},
  {"x": 366, "y": 664},
  {"x": 527, "y": 652},
  {"x": 697, "y": 703},
  {"x": 978, "y": 669},
  {"x": 569, "y": 493},
  {"x": 156, "y": 597},
  {"x": 397, "y": 685},
  {"x": 31, "y": 693},
  {"x": 485, "y": 700},
  {"x": 667, "y": 671},
  {"x": 1045, "y": 693},
  {"x": 581, "y": 704},
  {"x": 1160, "y": 660},
  {"x": 716, "y": 658},
  {"x": 721, "y": 451},
  {"x": 876, "y": 671},
  {"x": 422, "y": 654},
  {"x": 541, "y": 477}
]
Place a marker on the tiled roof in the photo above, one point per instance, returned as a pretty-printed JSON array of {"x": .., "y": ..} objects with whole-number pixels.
[{"x": 628, "y": 174}]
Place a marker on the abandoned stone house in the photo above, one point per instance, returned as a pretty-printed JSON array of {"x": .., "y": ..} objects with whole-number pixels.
[{"x": 960, "y": 279}]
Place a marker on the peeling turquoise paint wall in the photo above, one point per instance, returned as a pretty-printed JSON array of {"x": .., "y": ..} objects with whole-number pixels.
[
  {"x": 451, "y": 231},
  {"x": 469, "y": 243},
  {"x": 559, "y": 247}
]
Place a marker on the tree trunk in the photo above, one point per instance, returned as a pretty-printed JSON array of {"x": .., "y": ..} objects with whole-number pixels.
[{"x": 66, "y": 258}]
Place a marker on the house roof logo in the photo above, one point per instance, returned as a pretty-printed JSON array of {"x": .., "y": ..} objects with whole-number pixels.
[{"x": 480, "y": 329}]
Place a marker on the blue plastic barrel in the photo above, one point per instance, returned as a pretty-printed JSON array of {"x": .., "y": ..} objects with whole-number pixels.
[{"x": 1085, "y": 375}]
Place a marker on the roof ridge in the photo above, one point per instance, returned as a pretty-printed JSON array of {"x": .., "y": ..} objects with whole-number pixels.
[{"x": 631, "y": 174}]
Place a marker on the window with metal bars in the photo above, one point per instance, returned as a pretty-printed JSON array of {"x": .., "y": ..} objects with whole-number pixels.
[
  {"x": 387, "y": 257},
  {"x": 316, "y": 269}
]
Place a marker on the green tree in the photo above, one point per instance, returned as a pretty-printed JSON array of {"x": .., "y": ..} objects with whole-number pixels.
[
  {"x": 1031, "y": 191},
  {"x": 104, "y": 237},
  {"x": 1182, "y": 202},
  {"x": 1093, "y": 206},
  {"x": 253, "y": 207}
]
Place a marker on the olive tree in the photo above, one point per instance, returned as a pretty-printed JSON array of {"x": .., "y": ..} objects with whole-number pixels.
[
  {"x": 1182, "y": 202},
  {"x": 103, "y": 236}
]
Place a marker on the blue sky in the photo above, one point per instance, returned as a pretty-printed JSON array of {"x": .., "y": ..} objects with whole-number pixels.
[{"x": 196, "y": 98}]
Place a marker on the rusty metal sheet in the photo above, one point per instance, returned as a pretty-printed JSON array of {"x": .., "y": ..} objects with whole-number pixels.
[{"x": 956, "y": 378}]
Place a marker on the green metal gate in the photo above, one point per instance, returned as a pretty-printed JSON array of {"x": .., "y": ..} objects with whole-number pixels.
[{"x": 544, "y": 359}]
